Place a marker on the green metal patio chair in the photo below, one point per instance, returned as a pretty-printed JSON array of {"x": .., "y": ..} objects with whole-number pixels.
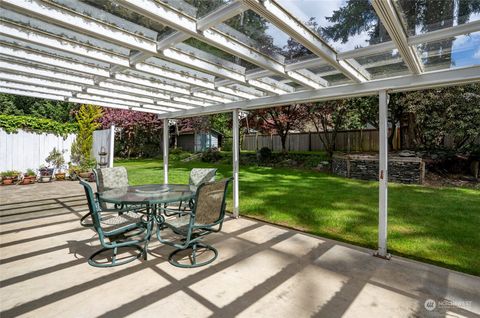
[
  {"x": 197, "y": 177},
  {"x": 108, "y": 179},
  {"x": 115, "y": 232},
  {"x": 206, "y": 217}
]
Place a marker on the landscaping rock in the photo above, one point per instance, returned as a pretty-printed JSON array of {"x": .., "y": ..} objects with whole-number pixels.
[
  {"x": 365, "y": 167},
  {"x": 406, "y": 153}
]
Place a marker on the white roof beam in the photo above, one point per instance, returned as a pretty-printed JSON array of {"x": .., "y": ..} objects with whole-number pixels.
[
  {"x": 202, "y": 65},
  {"x": 158, "y": 71},
  {"x": 275, "y": 83},
  {"x": 236, "y": 92},
  {"x": 133, "y": 90},
  {"x": 387, "y": 14},
  {"x": 218, "y": 99},
  {"x": 259, "y": 73},
  {"x": 10, "y": 66},
  {"x": 80, "y": 22},
  {"x": 56, "y": 42},
  {"x": 33, "y": 88},
  {"x": 191, "y": 101},
  {"x": 50, "y": 60},
  {"x": 290, "y": 25},
  {"x": 107, "y": 99},
  {"x": 144, "y": 82},
  {"x": 111, "y": 105},
  {"x": 173, "y": 105},
  {"x": 30, "y": 94},
  {"x": 445, "y": 33},
  {"x": 106, "y": 93},
  {"x": 29, "y": 79},
  {"x": 267, "y": 87},
  {"x": 221, "y": 14}
]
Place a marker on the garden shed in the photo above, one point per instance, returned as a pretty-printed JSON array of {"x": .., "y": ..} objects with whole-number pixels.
[{"x": 190, "y": 140}]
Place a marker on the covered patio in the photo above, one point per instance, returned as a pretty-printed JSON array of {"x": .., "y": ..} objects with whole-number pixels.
[{"x": 262, "y": 270}]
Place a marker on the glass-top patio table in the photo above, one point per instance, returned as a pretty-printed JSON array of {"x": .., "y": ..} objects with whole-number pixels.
[{"x": 148, "y": 194}]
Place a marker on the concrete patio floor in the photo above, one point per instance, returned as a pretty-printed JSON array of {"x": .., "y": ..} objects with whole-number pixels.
[{"x": 262, "y": 271}]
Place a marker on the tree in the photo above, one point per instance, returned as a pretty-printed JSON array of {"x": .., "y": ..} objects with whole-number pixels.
[
  {"x": 280, "y": 120},
  {"x": 366, "y": 108},
  {"x": 87, "y": 117},
  {"x": 328, "y": 118},
  {"x": 357, "y": 16},
  {"x": 139, "y": 133},
  {"x": 37, "y": 107},
  {"x": 437, "y": 114}
]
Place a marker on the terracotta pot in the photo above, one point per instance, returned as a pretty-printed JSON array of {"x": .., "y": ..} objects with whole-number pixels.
[
  {"x": 84, "y": 175},
  {"x": 60, "y": 176},
  {"x": 27, "y": 180},
  {"x": 7, "y": 180}
]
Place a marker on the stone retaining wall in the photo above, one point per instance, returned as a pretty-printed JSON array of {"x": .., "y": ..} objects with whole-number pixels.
[{"x": 365, "y": 167}]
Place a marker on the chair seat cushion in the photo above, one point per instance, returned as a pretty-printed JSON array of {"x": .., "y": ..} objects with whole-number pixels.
[
  {"x": 126, "y": 220},
  {"x": 179, "y": 224}
]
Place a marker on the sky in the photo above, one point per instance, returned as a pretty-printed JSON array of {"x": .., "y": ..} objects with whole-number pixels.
[
  {"x": 320, "y": 9},
  {"x": 466, "y": 48}
]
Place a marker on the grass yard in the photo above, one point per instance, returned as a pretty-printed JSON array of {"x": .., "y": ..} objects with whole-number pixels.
[{"x": 435, "y": 225}]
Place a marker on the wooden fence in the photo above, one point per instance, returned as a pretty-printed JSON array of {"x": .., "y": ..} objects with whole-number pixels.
[
  {"x": 23, "y": 150},
  {"x": 348, "y": 141}
]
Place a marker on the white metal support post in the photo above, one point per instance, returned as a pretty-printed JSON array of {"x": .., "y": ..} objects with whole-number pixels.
[
  {"x": 165, "y": 150},
  {"x": 236, "y": 159},
  {"x": 111, "y": 146},
  {"x": 383, "y": 175}
]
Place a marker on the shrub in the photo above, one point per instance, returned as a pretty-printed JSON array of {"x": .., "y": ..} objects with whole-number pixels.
[
  {"x": 10, "y": 174},
  {"x": 211, "y": 155},
  {"x": 177, "y": 154},
  {"x": 264, "y": 155},
  {"x": 30, "y": 173},
  {"x": 11, "y": 124},
  {"x": 55, "y": 158}
]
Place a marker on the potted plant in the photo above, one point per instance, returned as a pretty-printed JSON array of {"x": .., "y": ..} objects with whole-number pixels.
[
  {"x": 73, "y": 171},
  {"x": 85, "y": 168},
  {"x": 29, "y": 177},
  {"x": 9, "y": 177},
  {"x": 46, "y": 173},
  {"x": 55, "y": 158}
]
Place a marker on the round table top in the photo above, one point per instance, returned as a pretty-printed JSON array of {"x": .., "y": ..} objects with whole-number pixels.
[{"x": 149, "y": 194}]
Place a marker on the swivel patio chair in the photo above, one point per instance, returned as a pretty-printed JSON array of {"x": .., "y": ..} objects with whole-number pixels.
[
  {"x": 127, "y": 230},
  {"x": 206, "y": 217},
  {"x": 108, "y": 179},
  {"x": 197, "y": 177}
]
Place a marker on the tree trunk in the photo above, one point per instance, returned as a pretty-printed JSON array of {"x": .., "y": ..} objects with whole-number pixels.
[
  {"x": 283, "y": 139},
  {"x": 391, "y": 136}
]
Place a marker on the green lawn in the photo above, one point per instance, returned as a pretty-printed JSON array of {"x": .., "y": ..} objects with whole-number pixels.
[{"x": 436, "y": 225}]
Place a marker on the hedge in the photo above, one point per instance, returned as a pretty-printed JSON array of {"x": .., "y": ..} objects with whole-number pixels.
[{"x": 11, "y": 124}]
